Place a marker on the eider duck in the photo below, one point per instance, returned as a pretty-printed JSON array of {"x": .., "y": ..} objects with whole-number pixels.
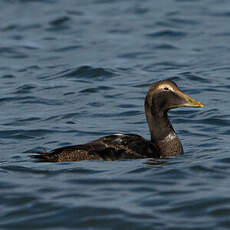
[{"x": 161, "y": 97}]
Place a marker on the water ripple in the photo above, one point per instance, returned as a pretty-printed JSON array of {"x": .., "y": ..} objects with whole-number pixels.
[
  {"x": 167, "y": 34},
  {"x": 71, "y": 73}
]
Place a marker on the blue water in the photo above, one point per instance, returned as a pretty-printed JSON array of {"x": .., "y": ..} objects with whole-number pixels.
[{"x": 72, "y": 71}]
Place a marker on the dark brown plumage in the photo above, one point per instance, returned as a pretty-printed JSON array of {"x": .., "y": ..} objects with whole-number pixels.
[{"x": 161, "y": 97}]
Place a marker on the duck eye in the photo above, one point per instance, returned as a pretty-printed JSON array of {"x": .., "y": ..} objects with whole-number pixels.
[{"x": 166, "y": 88}]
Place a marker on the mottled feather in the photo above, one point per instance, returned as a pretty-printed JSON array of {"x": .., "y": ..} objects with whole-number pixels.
[{"x": 122, "y": 146}]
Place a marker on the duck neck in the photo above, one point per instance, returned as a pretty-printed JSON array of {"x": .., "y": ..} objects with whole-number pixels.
[{"x": 162, "y": 132}]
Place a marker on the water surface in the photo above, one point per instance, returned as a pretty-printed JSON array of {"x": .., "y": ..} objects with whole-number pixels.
[{"x": 72, "y": 71}]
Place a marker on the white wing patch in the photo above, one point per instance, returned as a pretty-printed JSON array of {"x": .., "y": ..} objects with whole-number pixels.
[{"x": 118, "y": 140}]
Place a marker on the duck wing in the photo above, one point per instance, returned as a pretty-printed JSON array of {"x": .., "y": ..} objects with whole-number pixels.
[{"x": 113, "y": 147}]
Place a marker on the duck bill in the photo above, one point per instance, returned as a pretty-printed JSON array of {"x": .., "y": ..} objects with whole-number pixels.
[{"x": 188, "y": 101}]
